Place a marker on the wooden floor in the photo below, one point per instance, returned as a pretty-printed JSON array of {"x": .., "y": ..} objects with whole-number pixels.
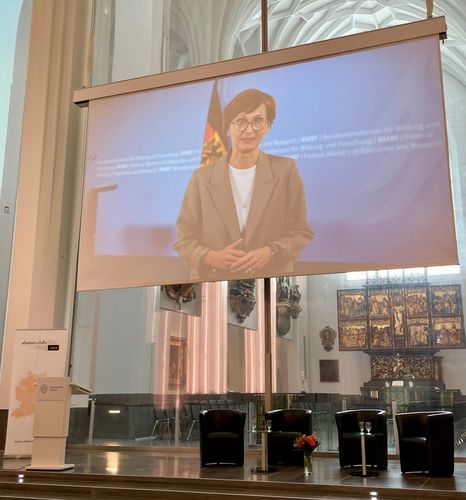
[{"x": 143, "y": 473}]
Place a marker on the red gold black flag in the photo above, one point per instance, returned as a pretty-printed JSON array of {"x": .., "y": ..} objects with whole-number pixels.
[{"x": 215, "y": 144}]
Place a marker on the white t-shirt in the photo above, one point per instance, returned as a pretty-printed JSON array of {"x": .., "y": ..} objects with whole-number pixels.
[{"x": 242, "y": 185}]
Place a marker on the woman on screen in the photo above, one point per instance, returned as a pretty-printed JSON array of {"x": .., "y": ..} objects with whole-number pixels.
[{"x": 245, "y": 214}]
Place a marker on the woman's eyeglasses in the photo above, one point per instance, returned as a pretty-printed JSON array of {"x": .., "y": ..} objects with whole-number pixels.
[{"x": 257, "y": 123}]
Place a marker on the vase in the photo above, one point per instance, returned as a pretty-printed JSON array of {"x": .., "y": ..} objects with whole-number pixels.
[{"x": 307, "y": 463}]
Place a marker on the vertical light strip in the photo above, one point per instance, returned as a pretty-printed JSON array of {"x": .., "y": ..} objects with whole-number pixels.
[
  {"x": 164, "y": 356},
  {"x": 219, "y": 337},
  {"x": 258, "y": 351},
  {"x": 189, "y": 356},
  {"x": 183, "y": 326},
  {"x": 223, "y": 323},
  {"x": 205, "y": 339},
  {"x": 273, "y": 328},
  {"x": 247, "y": 354},
  {"x": 194, "y": 355},
  {"x": 261, "y": 338},
  {"x": 254, "y": 348},
  {"x": 254, "y": 359},
  {"x": 214, "y": 339}
]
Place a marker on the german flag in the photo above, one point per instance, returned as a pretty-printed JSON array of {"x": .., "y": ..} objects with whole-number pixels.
[{"x": 215, "y": 144}]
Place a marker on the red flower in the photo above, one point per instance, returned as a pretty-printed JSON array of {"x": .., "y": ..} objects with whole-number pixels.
[{"x": 306, "y": 443}]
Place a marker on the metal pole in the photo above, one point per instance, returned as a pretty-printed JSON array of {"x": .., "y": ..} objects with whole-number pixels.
[
  {"x": 363, "y": 455},
  {"x": 264, "y": 26},
  {"x": 267, "y": 287},
  {"x": 429, "y": 9},
  {"x": 265, "y": 463},
  {"x": 268, "y": 346},
  {"x": 90, "y": 435}
]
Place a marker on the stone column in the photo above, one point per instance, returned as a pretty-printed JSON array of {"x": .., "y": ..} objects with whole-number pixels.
[{"x": 42, "y": 279}]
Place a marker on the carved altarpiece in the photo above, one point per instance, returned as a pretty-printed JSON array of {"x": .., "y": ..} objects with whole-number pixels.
[{"x": 401, "y": 327}]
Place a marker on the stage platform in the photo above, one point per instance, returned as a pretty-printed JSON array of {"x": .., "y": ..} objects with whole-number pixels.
[{"x": 105, "y": 473}]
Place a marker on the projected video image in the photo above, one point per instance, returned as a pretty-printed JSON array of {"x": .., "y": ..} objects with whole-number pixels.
[
  {"x": 246, "y": 211},
  {"x": 328, "y": 165}
]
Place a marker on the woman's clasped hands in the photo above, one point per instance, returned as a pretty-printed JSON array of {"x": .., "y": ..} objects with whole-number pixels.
[{"x": 238, "y": 261}]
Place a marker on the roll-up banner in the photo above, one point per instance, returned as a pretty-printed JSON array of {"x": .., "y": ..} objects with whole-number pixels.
[{"x": 37, "y": 353}]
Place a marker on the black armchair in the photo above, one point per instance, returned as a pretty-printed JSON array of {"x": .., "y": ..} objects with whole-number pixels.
[
  {"x": 349, "y": 440},
  {"x": 222, "y": 436},
  {"x": 286, "y": 426},
  {"x": 426, "y": 442}
]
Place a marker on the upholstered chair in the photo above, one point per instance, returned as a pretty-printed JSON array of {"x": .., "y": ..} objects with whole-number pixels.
[
  {"x": 287, "y": 425},
  {"x": 349, "y": 438},
  {"x": 426, "y": 442},
  {"x": 222, "y": 436}
]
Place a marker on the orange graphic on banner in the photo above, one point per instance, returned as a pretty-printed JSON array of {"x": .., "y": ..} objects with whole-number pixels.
[{"x": 25, "y": 393}]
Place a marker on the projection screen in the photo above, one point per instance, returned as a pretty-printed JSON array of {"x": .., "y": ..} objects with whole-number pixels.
[{"x": 351, "y": 174}]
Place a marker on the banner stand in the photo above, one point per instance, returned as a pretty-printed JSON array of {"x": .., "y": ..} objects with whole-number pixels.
[
  {"x": 51, "y": 421},
  {"x": 36, "y": 354}
]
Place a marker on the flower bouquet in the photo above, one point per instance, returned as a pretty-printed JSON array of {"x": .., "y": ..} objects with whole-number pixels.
[{"x": 307, "y": 443}]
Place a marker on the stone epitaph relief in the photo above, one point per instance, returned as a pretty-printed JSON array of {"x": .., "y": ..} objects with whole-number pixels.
[
  {"x": 400, "y": 316},
  {"x": 242, "y": 297},
  {"x": 181, "y": 294},
  {"x": 288, "y": 298},
  {"x": 328, "y": 336}
]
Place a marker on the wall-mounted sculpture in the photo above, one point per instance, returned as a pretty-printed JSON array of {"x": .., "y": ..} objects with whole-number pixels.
[
  {"x": 328, "y": 336},
  {"x": 181, "y": 293},
  {"x": 242, "y": 297},
  {"x": 288, "y": 298},
  {"x": 185, "y": 298}
]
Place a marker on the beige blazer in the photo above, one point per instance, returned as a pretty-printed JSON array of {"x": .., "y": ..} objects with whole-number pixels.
[{"x": 277, "y": 215}]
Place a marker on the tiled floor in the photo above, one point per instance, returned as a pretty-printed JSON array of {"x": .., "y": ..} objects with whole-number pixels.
[{"x": 326, "y": 472}]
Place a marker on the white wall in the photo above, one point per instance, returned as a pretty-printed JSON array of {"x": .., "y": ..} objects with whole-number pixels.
[
  {"x": 8, "y": 35},
  {"x": 11, "y": 118},
  {"x": 354, "y": 367},
  {"x": 124, "y": 350}
]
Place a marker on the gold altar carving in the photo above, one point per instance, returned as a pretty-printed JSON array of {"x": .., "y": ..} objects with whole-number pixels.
[
  {"x": 399, "y": 317},
  {"x": 402, "y": 367}
]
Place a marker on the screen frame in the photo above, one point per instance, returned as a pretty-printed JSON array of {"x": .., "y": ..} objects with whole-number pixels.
[
  {"x": 273, "y": 59},
  {"x": 301, "y": 53}
]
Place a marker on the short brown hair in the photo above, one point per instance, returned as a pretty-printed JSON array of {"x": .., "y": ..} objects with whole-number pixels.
[{"x": 247, "y": 101}]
